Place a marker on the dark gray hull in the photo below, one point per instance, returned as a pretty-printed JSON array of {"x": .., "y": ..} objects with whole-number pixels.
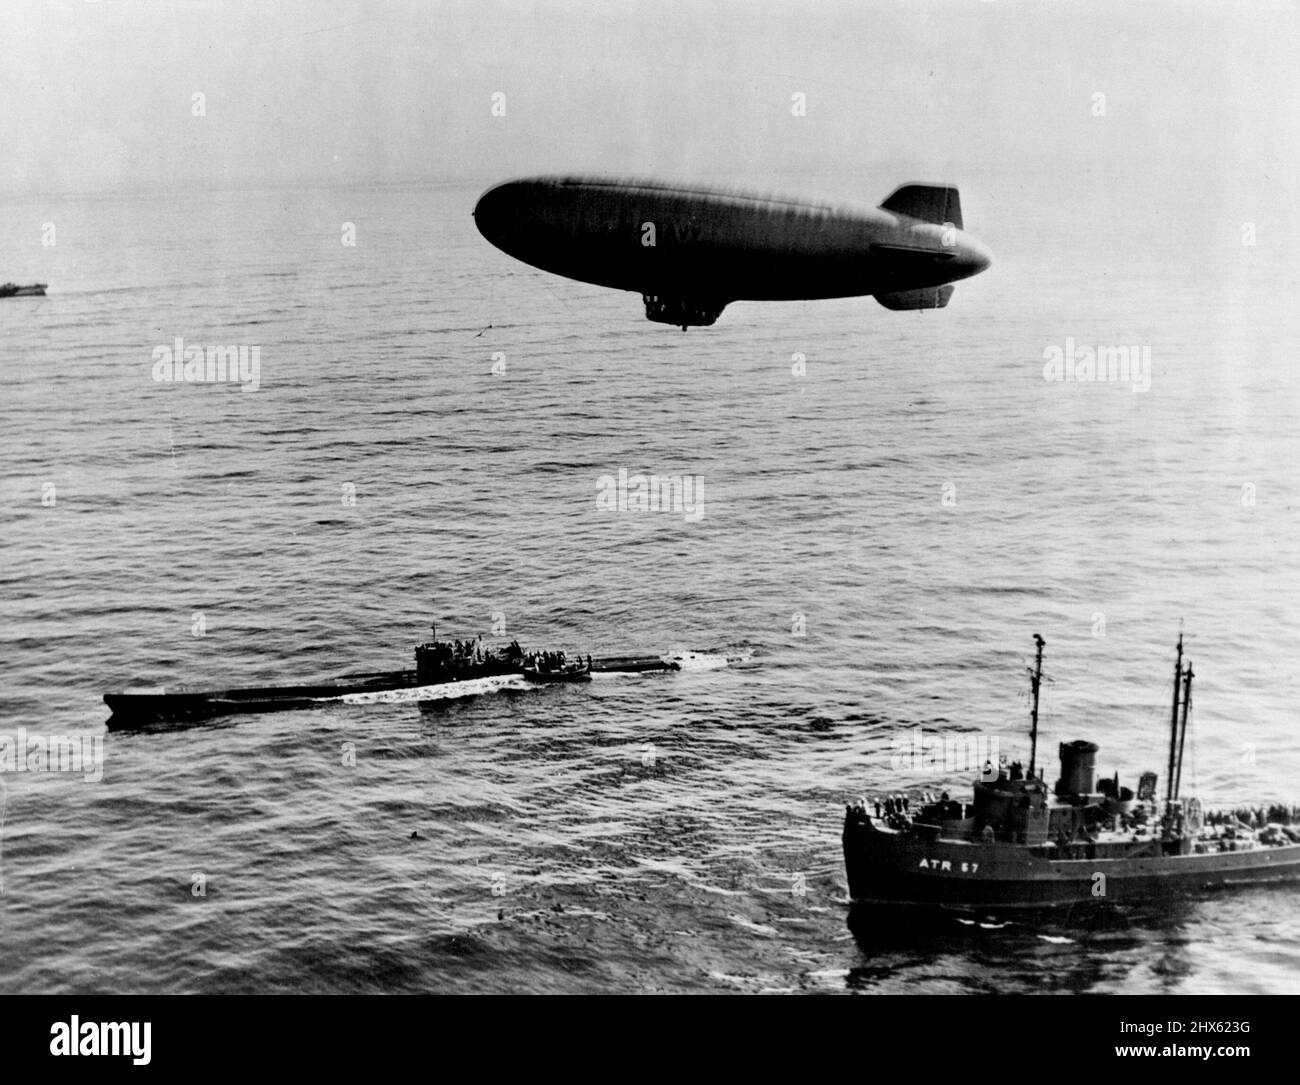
[
  {"x": 886, "y": 867},
  {"x": 134, "y": 710}
]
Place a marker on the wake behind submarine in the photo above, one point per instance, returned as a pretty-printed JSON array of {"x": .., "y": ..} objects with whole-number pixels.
[{"x": 691, "y": 251}]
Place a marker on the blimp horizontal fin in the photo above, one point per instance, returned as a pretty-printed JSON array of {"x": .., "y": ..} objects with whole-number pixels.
[
  {"x": 929, "y": 203},
  {"x": 931, "y": 297}
]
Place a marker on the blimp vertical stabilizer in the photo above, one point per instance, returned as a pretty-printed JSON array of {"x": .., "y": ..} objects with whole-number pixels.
[{"x": 940, "y": 204}]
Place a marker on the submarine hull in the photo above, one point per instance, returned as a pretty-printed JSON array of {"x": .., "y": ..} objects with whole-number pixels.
[
  {"x": 144, "y": 708},
  {"x": 134, "y": 709}
]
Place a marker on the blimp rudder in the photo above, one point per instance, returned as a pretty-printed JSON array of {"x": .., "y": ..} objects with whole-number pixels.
[{"x": 940, "y": 204}]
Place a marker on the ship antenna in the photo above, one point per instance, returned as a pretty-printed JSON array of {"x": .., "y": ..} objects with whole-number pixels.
[
  {"x": 1035, "y": 679},
  {"x": 1173, "y": 726},
  {"x": 1182, "y": 738}
]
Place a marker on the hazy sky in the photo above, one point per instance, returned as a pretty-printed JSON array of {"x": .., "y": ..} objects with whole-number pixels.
[{"x": 1203, "y": 97}]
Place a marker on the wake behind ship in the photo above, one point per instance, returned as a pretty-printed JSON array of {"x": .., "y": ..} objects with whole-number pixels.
[{"x": 1021, "y": 845}]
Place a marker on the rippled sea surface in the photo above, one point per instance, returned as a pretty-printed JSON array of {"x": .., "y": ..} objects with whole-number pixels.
[{"x": 881, "y": 537}]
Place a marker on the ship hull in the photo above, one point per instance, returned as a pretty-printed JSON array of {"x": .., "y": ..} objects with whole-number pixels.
[{"x": 885, "y": 867}]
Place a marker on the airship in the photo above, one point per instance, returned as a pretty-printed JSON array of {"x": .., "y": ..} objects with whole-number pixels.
[{"x": 691, "y": 251}]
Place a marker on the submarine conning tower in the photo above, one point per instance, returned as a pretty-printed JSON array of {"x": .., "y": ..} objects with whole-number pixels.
[
  {"x": 1078, "y": 768},
  {"x": 433, "y": 660}
]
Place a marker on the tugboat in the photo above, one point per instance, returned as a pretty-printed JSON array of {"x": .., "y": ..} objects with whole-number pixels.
[
  {"x": 13, "y": 290},
  {"x": 454, "y": 667},
  {"x": 1020, "y": 844}
]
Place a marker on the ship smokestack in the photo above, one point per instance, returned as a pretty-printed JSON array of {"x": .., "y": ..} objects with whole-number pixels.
[{"x": 1078, "y": 768}]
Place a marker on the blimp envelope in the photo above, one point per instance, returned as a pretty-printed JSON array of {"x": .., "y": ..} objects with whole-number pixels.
[{"x": 690, "y": 251}]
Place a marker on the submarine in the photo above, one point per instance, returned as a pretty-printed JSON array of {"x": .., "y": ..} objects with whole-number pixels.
[
  {"x": 691, "y": 251},
  {"x": 443, "y": 669}
]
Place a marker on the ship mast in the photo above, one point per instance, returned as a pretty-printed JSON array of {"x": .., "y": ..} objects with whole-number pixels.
[
  {"x": 1173, "y": 725},
  {"x": 1035, "y": 680},
  {"x": 1182, "y": 738}
]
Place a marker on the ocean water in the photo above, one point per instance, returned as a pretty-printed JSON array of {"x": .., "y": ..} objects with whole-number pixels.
[{"x": 884, "y": 525}]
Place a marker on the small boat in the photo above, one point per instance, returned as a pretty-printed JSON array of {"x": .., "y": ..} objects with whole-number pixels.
[
  {"x": 13, "y": 290},
  {"x": 1023, "y": 843},
  {"x": 565, "y": 672}
]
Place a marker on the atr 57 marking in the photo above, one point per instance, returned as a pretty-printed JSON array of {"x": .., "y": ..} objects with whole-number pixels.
[{"x": 944, "y": 865}]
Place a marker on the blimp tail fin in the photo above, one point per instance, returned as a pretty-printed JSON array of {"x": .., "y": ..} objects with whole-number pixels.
[
  {"x": 930, "y": 297},
  {"x": 929, "y": 203}
]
